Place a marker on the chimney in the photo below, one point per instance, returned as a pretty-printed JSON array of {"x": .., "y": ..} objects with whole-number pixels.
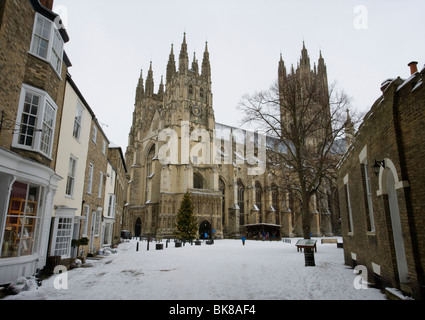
[
  {"x": 47, "y": 3},
  {"x": 413, "y": 67}
]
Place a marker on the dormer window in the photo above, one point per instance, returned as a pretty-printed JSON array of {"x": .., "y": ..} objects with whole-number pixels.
[{"x": 47, "y": 42}]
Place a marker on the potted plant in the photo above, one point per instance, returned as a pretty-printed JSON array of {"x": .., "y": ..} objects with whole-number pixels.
[{"x": 78, "y": 243}]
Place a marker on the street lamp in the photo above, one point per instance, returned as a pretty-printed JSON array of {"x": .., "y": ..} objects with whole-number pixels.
[{"x": 378, "y": 164}]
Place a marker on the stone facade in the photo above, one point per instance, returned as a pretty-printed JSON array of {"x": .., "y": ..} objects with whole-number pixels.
[
  {"x": 94, "y": 185},
  {"x": 116, "y": 158},
  {"x": 229, "y": 198},
  {"x": 382, "y": 215}
]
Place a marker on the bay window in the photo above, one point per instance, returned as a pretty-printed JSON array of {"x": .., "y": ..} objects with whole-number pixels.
[
  {"x": 35, "y": 127},
  {"x": 47, "y": 42}
]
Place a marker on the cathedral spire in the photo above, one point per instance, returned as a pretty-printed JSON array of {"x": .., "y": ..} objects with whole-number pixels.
[
  {"x": 171, "y": 66},
  {"x": 206, "y": 67},
  {"x": 140, "y": 90},
  {"x": 149, "y": 82},
  {"x": 282, "y": 68},
  {"x": 305, "y": 59},
  {"x": 195, "y": 66},
  {"x": 183, "y": 58},
  {"x": 321, "y": 66},
  {"x": 161, "y": 88}
]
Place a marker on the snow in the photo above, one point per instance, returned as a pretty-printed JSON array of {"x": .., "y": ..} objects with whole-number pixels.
[{"x": 226, "y": 270}]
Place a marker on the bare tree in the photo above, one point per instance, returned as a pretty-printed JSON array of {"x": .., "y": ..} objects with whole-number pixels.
[{"x": 308, "y": 121}]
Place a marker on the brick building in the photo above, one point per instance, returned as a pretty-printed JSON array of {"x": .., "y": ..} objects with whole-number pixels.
[
  {"x": 117, "y": 160},
  {"x": 383, "y": 213},
  {"x": 33, "y": 67},
  {"x": 94, "y": 187}
]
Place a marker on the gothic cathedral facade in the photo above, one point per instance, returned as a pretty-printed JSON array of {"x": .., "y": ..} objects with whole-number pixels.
[{"x": 177, "y": 122}]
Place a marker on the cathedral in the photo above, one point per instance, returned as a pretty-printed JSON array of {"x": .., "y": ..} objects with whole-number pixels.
[{"x": 175, "y": 146}]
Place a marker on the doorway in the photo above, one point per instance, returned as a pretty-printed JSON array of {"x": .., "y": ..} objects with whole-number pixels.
[
  {"x": 205, "y": 230},
  {"x": 397, "y": 230},
  {"x": 138, "y": 227}
]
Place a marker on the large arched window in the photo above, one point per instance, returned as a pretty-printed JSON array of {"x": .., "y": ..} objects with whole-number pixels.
[
  {"x": 258, "y": 198},
  {"x": 241, "y": 202},
  {"x": 149, "y": 171},
  {"x": 202, "y": 94},
  {"x": 222, "y": 188},
  {"x": 275, "y": 202},
  {"x": 198, "y": 181}
]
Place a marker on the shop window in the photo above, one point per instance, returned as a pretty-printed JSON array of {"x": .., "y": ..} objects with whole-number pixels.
[{"x": 20, "y": 233}]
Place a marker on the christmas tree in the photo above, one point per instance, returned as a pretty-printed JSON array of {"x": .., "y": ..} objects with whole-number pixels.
[{"x": 187, "y": 224}]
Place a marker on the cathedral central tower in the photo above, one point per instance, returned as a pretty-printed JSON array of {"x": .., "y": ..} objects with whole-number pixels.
[{"x": 181, "y": 106}]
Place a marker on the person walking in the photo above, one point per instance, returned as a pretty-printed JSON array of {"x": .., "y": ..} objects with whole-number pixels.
[{"x": 243, "y": 239}]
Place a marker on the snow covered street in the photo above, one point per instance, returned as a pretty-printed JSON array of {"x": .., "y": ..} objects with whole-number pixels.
[{"x": 225, "y": 270}]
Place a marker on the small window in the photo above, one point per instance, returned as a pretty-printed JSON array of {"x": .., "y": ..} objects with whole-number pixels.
[
  {"x": 99, "y": 193},
  {"x": 85, "y": 220},
  {"x": 368, "y": 196},
  {"x": 348, "y": 205},
  {"x": 104, "y": 147},
  {"x": 78, "y": 121},
  {"x": 71, "y": 176},
  {"x": 190, "y": 90},
  {"x": 97, "y": 223},
  {"x": 94, "y": 134},
  {"x": 90, "y": 179},
  {"x": 111, "y": 205}
]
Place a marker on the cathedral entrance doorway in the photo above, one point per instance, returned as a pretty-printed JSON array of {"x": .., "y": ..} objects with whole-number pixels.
[
  {"x": 138, "y": 228},
  {"x": 205, "y": 230}
]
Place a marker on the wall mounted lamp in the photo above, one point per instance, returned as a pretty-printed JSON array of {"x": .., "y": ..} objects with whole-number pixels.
[{"x": 378, "y": 164}]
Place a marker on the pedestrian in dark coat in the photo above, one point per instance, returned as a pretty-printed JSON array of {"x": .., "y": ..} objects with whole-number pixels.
[{"x": 243, "y": 240}]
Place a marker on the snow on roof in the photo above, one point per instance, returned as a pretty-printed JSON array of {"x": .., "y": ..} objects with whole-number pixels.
[{"x": 413, "y": 76}]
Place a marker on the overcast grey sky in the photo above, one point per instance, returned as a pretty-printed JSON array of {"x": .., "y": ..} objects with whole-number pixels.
[{"x": 111, "y": 41}]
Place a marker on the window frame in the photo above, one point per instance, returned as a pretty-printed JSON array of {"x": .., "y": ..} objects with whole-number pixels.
[
  {"x": 65, "y": 251},
  {"x": 94, "y": 134},
  {"x": 38, "y": 136},
  {"x": 85, "y": 220},
  {"x": 90, "y": 179},
  {"x": 78, "y": 121},
  {"x": 348, "y": 206},
  {"x": 71, "y": 175},
  {"x": 111, "y": 205}
]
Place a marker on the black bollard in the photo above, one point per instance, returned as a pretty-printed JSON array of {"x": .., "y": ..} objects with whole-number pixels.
[
  {"x": 148, "y": 245},
  {"x": 137, "y": 246}
]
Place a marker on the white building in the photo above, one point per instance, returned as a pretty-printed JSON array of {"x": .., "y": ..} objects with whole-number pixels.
[
  {"x": 109, "y": 206},
  {"x": 71, "y": 165}
]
